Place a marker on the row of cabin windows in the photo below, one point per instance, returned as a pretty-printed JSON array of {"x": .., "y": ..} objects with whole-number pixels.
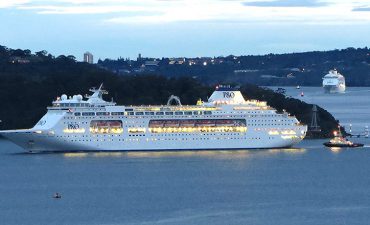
[
  {"x": 143, "y": 113},
  {"x": 71, "y": 105},
  {"x": 167, "y": 139},
  {"x": 143, "y": 135}
]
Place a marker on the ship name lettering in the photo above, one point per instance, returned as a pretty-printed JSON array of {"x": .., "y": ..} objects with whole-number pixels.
[
  {"x": 229, "y": 94},
  {"x": 73, "y": 126}
]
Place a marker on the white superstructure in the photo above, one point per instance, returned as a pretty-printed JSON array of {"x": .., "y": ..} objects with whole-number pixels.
[
  {"x": 225, "y": 121},
  {"x": 334, "y": 82}
]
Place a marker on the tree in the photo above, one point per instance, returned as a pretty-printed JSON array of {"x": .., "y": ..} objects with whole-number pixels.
[{"x": 41, "y": 54}]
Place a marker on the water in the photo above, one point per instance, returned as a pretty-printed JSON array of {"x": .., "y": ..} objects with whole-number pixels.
[
  {"x": 350, "y": 108},
  {"x": 306, "y": 185}
]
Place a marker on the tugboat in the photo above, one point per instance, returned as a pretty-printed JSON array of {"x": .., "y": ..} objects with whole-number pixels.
[{"x": 341, "y": 142}]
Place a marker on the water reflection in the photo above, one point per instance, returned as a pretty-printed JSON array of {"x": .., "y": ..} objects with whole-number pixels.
[
  {"x": 75, "y": 154},
  {"x": 335, "y": 149},
  {"x": 288, "y": 150},
  {"x": 222, "y": 154}
]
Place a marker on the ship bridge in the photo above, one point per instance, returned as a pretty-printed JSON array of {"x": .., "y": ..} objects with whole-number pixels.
[{"x": 94, "y": 100}]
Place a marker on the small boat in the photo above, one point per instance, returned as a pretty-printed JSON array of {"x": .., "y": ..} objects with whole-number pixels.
[
  {"x": 302, "y": 94},
  {"x": 341, "y": 142},
  {"x": 57, "y": 195},
  {"x": 298, "y": 87}
]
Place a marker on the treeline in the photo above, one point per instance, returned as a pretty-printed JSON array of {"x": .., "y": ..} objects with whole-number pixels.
[
  {"x": 26, "y": 89},
  {"x": 305, "y": 69}
]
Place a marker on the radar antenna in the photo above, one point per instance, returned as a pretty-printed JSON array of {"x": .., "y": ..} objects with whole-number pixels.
[
  {"x": 97, "y": 93},
  {"x": 174, "y": 98},
  {"x": 100, "y": 89}
]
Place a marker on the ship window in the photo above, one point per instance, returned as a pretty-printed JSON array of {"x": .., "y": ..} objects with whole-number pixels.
[
  {"x": 102, "y": 113},
  {"x": 88, "y": 114},
  {"x": 149, "y": 113},
  {"x": 117, "y": 113},
  {"x": 77, "y": 114},
  {"x": 131, "y": 113},
  {"x": 129, "y": 109},
  {"x": 139, "y": 113},
  {"x": 188, "y": 113},
  {"x": 179, "y": 113},
  {"x": 136, "y": 130},
  {"x": 197, "y": 125},
  {"x": 106, "y": 126},
  {"x": 159, "y": 113},
  {"x": 169, "y": 113},
  {"x": 207, "y": 113}
]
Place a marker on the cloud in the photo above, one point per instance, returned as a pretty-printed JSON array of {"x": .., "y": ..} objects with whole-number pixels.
[
  {"x": 97, "y": 9},
  {"x": 286, "y": 3},
  {"x": 212, "y": 11},
  {"x": 361, "y": 9},
  {"x": 12, "y": 3}
]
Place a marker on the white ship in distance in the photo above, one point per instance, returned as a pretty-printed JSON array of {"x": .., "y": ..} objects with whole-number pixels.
[
  {"x": 225, "y": 121},
  {"x": 334, "y": 82}
]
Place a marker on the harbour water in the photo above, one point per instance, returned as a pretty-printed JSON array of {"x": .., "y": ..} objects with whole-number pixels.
[{"x": 309, "y": 184}]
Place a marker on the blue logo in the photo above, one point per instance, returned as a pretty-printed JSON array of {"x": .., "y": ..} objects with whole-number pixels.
[
  {"x": 73, "y": 126},
  {"x": 228, "y": 94}
]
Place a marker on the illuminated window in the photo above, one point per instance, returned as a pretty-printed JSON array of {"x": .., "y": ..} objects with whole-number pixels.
[
  {"x": 197, "y": 125},
  {"x": 136, "y": 130},
  {"x": 106, "y": 126}
]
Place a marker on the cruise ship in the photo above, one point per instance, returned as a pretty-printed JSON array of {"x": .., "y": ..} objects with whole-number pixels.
[
  {"x": 225, "y": 121},
  {"x": 334, "y": 82}
]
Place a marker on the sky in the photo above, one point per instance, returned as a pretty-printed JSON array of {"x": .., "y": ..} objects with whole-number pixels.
[{"x": 183, "y": 28}]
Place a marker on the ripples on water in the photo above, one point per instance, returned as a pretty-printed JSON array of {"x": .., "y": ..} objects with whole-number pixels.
[{"x": 308, "y": 184}]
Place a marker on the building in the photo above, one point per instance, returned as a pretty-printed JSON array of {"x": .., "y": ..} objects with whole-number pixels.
[{"x": 88, "y": 57}]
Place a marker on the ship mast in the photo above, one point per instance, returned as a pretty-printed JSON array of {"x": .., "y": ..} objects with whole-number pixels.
[{"x": 314, "y": 126}]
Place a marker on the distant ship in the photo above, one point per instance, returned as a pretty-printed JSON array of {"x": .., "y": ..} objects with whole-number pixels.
[
  {"x": 225, "y": 121},
  {"x": 334, "y": 82}
]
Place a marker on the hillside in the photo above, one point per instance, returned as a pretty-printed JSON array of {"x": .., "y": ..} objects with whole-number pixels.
[
  {"x": 26, "y": 88},
  {"x": 305, "y": 69}
]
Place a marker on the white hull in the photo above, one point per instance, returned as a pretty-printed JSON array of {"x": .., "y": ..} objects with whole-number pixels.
[
  {"x": 334, "y": 89},
  {"x": 40, "y": 142}
]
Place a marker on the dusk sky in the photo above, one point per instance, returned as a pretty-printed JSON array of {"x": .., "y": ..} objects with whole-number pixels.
[{"x": 174, "y": 28}]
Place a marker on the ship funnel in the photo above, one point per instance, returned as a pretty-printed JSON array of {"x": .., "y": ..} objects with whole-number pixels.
[{"x": 226, "y": 95}]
